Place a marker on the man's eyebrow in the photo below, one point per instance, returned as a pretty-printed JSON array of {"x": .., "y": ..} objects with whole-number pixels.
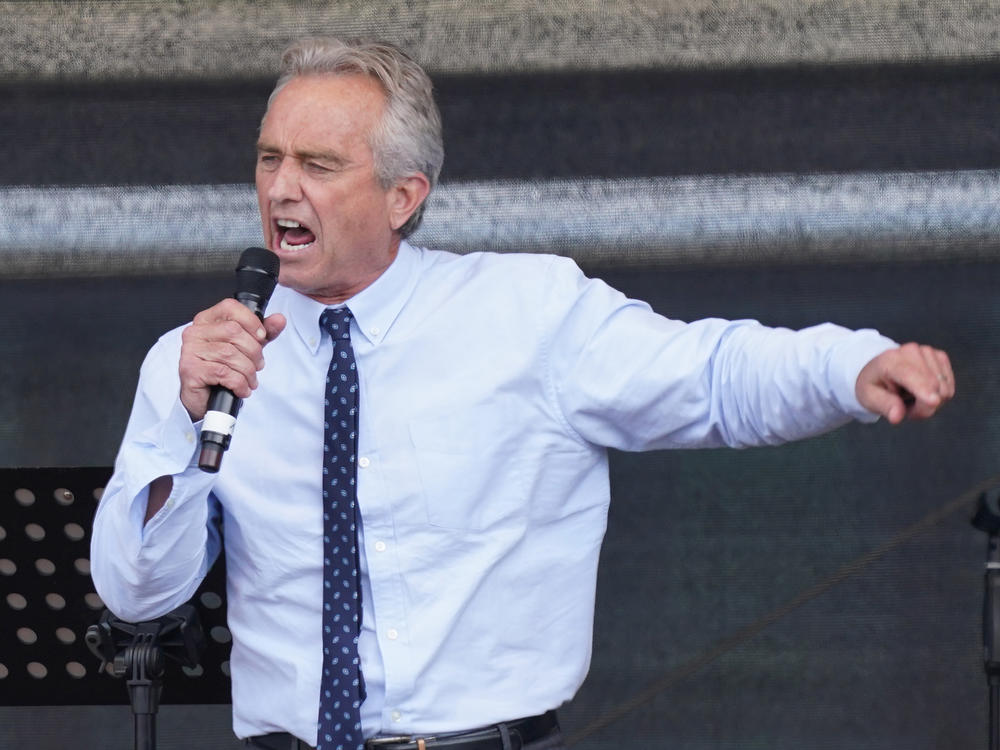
[{"x": 304, "y": 154}]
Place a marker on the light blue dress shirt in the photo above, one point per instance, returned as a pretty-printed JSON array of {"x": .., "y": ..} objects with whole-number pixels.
[{"x": 490, "y": 386}]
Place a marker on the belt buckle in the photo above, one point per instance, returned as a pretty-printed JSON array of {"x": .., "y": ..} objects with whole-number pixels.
[
  {"x": 400, "y": 739},
  {"x": 396, "y": 739}
]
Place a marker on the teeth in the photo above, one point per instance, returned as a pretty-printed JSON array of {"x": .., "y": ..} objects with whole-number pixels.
[
  {"x": 288, "y": 223},
  {"x": 286, "y": 246}
]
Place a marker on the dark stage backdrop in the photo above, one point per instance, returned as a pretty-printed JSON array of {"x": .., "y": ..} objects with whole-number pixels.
[{"x": 825, "y": 594}]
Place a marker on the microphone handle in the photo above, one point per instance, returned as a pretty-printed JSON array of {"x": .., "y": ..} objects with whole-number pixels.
[{"x": 223, "y": 406}]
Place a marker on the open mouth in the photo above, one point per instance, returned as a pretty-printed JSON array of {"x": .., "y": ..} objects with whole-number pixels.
[{"x": 292, "y": 235}]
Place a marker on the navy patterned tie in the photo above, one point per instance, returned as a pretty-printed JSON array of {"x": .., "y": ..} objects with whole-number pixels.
[{"x": 341, "y": 687}]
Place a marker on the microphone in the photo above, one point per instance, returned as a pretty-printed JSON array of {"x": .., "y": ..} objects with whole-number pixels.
[{"x": 256, "y": 275}]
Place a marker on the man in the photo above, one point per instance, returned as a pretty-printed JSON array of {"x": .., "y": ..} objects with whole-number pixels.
[{"x": 486, "y": 391}]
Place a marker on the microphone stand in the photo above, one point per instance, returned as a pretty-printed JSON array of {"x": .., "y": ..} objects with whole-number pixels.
[
  {"x": 139, "y": 651},
  {"x": 987, "y": 519}
]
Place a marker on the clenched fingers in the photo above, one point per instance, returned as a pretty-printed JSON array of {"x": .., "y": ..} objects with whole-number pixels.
[
  {"x": 912, "y": 381},
  {"x": 223, "y": 346}
]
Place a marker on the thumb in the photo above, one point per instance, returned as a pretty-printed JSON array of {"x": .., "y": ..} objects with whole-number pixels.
[
  {"x": 273, "y": 325},
  {"x": 883, "y": 400}
]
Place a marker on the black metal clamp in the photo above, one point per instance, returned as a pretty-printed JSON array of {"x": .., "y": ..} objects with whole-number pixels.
[{"x": 139, "y": 652}]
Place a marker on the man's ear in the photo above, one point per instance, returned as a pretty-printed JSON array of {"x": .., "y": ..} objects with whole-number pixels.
[{"x": 405, "y": 197}]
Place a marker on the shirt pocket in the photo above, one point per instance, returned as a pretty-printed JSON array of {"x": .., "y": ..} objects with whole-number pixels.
[{"x": 471, "y": 472}]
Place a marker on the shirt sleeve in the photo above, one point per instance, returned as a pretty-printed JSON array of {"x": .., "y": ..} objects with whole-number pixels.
[
  {"x": 144, "y": 571},
  {"x": 625, "y": 377}
]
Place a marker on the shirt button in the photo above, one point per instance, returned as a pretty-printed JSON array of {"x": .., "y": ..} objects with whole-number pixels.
[
  {"x": 392, "y": 633},
  {"x": 380, "y": 546},
  {"x": 313, "y": 342},
  {"x": 375, "y": 331},
  {"x": 364, "y": 462},
  {"x": 396, "y": 716},
  {"x": 189, "y": 437}
]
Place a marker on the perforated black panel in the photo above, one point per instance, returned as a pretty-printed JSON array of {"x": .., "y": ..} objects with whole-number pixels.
[{"x": 47, "y": 600}]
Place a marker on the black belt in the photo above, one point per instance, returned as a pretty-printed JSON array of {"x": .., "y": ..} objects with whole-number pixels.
[{"x": 510, "y": 735}]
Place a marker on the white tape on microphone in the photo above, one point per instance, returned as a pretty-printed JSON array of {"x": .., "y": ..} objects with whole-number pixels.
[{"x": 219, "y": 422}]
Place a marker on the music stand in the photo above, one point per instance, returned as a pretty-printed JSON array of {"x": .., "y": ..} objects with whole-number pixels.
[{"x": 48, "y": 602}]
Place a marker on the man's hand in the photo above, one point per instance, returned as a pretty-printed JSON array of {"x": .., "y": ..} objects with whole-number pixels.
[
  {"x": 223, "y": 346},
  {"x": 911, "y": 381}
]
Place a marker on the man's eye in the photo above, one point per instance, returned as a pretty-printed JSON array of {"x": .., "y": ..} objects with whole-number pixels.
[
  {"x": 268, "y": 160},
  {"x": 317, "y": 168}
]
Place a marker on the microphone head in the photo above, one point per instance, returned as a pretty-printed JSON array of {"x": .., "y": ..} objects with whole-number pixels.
[
  {"x": 257, "y": 273},
  {"x": 259, "y": 259}
]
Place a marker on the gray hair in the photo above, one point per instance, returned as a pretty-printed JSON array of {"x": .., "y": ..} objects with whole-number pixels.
[{"x": 408, "y": 137}]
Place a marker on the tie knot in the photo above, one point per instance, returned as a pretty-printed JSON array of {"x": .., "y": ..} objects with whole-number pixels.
[{"x": 336, "y": 321}]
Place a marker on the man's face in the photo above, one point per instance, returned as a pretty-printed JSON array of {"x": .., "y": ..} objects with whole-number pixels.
[{"x": 323, "y": 211}]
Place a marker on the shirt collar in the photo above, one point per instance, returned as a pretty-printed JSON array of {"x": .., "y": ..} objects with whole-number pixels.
[{"x": 375, "y": 307}]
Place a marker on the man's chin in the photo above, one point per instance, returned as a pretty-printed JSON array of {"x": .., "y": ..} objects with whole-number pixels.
[{"x": 289, "y": 278}]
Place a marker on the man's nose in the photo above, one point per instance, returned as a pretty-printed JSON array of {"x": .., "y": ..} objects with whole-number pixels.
[{"x": 285, "y": 184}]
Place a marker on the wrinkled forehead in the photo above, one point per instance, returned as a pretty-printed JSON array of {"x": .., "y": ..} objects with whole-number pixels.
[{"x": 323, "y": 109}]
